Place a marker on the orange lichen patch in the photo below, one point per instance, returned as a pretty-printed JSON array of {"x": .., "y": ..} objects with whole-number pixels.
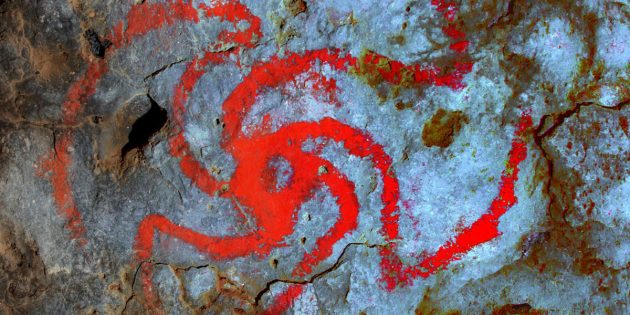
[
  {"x": 521, "y": 309},
  {"x": 113, "y": 136},
  {"x": 440, "y": 130},
  {"x": 226, "y": 296},
  {"x": 119, "y": 146},
  {"x": 233, "y": 291},
  {"x": 295, "y": 7},
  {"x": 571, "y": 241},
  {"x": 374, "y": 70}
]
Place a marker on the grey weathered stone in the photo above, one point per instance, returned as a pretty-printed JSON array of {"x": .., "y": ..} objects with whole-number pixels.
[{"x": 563, "y": 246}]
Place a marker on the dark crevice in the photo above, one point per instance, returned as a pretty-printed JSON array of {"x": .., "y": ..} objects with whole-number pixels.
[
  {"x": 160, "y": 70},
  {"x": 340, "y": 260},
  {"x": 133, "y": 285},
  {"x": 145, "y": 127},
  {"x": 97, "y": 45}
]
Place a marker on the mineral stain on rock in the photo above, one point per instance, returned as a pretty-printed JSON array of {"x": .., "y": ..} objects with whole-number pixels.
[
  {"x": 22, "y": 271},
  {"x": 442, "y": 128},
  {"x": 295, "y": 7}
]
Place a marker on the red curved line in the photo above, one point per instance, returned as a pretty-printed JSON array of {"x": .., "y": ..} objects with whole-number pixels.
[
  {"x": 141, "y": 19},
  {"x": 285, "y": 300},
  {"x": 57, "y": 161},
  {"x": 348, "y": 204},
  {"x": 219, "y": 247},
  {"x": 268, "y": 75},
  {"x": 481, "y": 231},
  {"x": 361, "y": 145},
  {"x": 167, "y": 13},
  {"x": 279, "y": 71},
  {"x": 275, "y": 73}
]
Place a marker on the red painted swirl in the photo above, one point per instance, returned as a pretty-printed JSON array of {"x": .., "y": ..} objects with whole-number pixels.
[{"x": 274, "y": 210}]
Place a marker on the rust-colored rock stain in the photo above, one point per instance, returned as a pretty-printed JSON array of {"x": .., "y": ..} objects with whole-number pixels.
[
  {"x": 295, "y": 7},
  {"x": 442, "y": 128}
]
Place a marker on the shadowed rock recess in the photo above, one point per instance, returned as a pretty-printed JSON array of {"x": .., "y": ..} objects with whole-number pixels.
[{"x": 314, "y": 157}]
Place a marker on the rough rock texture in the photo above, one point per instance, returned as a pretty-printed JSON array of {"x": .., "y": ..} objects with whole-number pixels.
[{"x": 309, "y": 157}]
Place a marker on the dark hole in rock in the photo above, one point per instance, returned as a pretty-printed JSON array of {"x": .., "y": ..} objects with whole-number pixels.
[
  {"x": 145, "y": 127},
  {"x": 97, "y": 46},
  {"x": 96, "y": 119},
  {"x": 219, "y": 123}
]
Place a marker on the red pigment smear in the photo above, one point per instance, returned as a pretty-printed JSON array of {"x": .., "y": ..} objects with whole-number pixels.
[
  {"x": 146, "y": 17},
  {"x": 460, "y": 46},
  {"x": 449, "y": 12},
  {"x": 448, "y": 9},
  {"x": 453, "y": 32},
  {"x": 285, "y": 300},
  {"x": 80, "y": 90},
  {"x": 327, "y": 86},
  {"x": 57, "y": 162}
]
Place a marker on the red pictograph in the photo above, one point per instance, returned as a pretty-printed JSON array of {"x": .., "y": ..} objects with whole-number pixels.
[{"x": 274, "y": 210}]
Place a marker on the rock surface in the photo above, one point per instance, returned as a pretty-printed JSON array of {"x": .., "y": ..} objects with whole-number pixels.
[{"x": 307, "y": 157}]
